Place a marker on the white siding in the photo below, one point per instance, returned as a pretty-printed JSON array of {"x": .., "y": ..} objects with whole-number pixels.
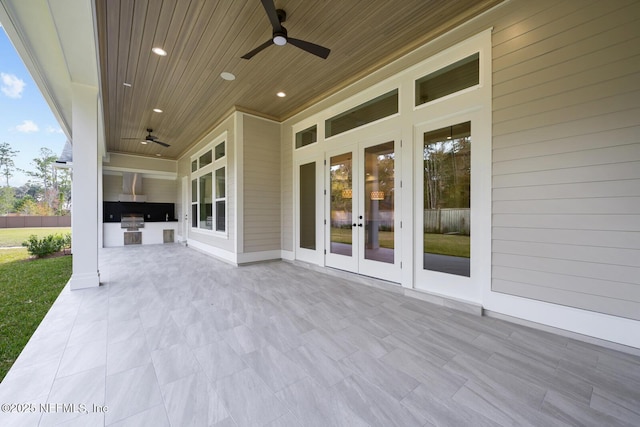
[
  {"x": 566, "y": 154},
  {"x": 261, "y": 169},
  {"x": 286, "y": 189},
  {"x": 111, "y": 187},
  {"x": 160, "y": 190},
  {"x": 156, "y": 190}
]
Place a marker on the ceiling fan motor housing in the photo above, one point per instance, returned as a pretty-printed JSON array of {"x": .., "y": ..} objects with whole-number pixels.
[{"x": 280, "y": 37}]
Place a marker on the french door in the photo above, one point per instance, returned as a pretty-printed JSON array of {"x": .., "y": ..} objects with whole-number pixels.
[{"x": 361, "y": 231}]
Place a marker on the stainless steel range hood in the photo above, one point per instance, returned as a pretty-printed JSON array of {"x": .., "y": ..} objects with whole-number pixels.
[{"x": 132, "y": 188}]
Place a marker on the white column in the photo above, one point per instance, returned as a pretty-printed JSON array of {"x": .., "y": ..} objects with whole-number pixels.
[{"x": 84, "y": 187}]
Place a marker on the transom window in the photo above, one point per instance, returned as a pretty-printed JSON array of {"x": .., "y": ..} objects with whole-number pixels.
[
  {"x": 307, "y": 136},
  {"x": 450, "y": 79},
  {"x": 378, "y": 108}
]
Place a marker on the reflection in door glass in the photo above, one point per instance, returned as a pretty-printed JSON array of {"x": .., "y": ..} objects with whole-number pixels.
[
  {"x": 308, "y": 206},
  {"x": 379, "y": 187},
  {"x": 341, "y": 204},
  {"x": 447, "y": 199}
]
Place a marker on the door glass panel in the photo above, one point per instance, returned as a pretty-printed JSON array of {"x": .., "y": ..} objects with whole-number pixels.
[
  {"x": 308, "y": 206},
  {"x": 341, "y": 204},
  {"x": 447, "y": 199},
  {"x": 379, "y": 185}
]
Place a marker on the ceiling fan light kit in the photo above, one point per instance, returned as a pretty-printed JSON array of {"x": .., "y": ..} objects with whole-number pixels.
[
  {"x": 280, "y": 37},
  {"x": 151, "y": 138}
]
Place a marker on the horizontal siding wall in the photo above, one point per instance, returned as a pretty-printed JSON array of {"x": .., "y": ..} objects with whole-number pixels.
[
  {"x": 261, "y": 166},
  {"x": 160, "y": 190},
  {"x": 566, "y": 154},
  {"x": 155, "y": 190},
  {"x": 111, "y": 187}
]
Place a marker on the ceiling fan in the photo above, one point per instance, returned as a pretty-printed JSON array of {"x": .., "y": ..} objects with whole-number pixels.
[
  {"x": 277, "y": 17},
  {"x": 150, "y": 138}
]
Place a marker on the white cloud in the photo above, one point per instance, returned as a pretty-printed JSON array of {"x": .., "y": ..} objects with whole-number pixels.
[
  {"x": 27, "y": 126},
  {"x": 51, "y": 129},
  {"x": 12, "y": 86}
]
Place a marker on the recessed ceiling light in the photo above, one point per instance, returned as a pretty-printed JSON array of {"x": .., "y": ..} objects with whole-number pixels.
[
  {"x": 143, "y": 142},
  {"x": 227, "y": 76},
  {"x": 281, "y": 94},
  {"x": 157, "y": 110},
  {"x": 159, "y": 51}
]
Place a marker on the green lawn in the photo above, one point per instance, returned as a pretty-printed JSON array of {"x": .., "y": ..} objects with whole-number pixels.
[
  {"x": 343, "y": 235},
  {"x": 15, "y": 236},
  {"x": 447, "y": 244},
  {"x": 444, "y": 244},
  {"x": 28, "y": 288}
]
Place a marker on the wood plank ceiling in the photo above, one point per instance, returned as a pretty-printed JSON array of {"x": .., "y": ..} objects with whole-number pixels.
[{"x": 206, "y": 37}]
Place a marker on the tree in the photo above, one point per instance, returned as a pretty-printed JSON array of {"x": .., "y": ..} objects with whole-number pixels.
[
  {"x": 447, "y": 174},
  {"x": 7, "y": 166},
  {"x": 21, "y": 200},
  {"x": 45, "y": 174},
  {"x": 64, "y": 191},
  {"x": 7, "y": 200},
  {"x": 30, "y": 207},
  {"x": 28, "y": 190}
]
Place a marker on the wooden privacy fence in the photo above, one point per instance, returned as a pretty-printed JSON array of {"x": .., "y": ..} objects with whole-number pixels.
[
  {"x": 34, "y": 221},
  {"x": 447, "y": 221}
]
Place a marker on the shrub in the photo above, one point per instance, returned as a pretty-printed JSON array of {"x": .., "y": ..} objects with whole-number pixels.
[
  {"x": 66, "y": 242},
  {"x": 47, "y": 245}
]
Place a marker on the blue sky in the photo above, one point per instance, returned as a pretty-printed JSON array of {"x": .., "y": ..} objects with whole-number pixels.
[{"x": 26, "y": 121}]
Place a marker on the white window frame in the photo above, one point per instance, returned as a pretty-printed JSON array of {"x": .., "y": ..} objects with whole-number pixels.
[{"x": 211, "y": 168}]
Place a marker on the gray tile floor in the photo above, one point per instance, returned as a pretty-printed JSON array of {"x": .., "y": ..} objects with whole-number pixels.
[{"x": 175, "y": 338}]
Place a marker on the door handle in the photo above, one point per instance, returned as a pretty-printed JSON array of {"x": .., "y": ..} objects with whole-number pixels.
[
  {"x": 354, "y": 224},
  {"x": 360, "y": 225}
]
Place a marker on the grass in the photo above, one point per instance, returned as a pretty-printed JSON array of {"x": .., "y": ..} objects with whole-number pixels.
[
  {"x": 443, "y": 244},
  {"x": 447, "y": 244},
  {"x": 28, "y": 288},
  {"x": 15, "y": 236},
  {"x": 343, "y": 235}
]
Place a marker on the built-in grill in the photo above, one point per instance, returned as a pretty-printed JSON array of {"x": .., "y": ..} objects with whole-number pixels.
[{"x": 132, "y": 221}]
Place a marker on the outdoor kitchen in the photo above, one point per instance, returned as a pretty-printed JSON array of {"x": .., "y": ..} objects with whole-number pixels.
[{"x": 133, "y": 219}]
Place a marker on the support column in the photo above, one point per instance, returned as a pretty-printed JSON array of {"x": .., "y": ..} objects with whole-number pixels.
[{"x": 84, "y": 187}]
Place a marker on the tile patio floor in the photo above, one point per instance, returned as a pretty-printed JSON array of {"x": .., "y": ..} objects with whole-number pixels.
[{"x": 177, "y": 338}]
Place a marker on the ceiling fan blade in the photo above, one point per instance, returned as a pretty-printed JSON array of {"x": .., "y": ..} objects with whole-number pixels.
[
  {"x": 164, "y": 144},
  {"x": 270, "y": 8},
  {"x": 313, "y": 48},
  {"x": 263, "y": 46}
]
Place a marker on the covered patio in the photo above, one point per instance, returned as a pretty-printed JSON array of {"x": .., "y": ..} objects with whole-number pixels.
[{"x": 173, "y": 337}]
